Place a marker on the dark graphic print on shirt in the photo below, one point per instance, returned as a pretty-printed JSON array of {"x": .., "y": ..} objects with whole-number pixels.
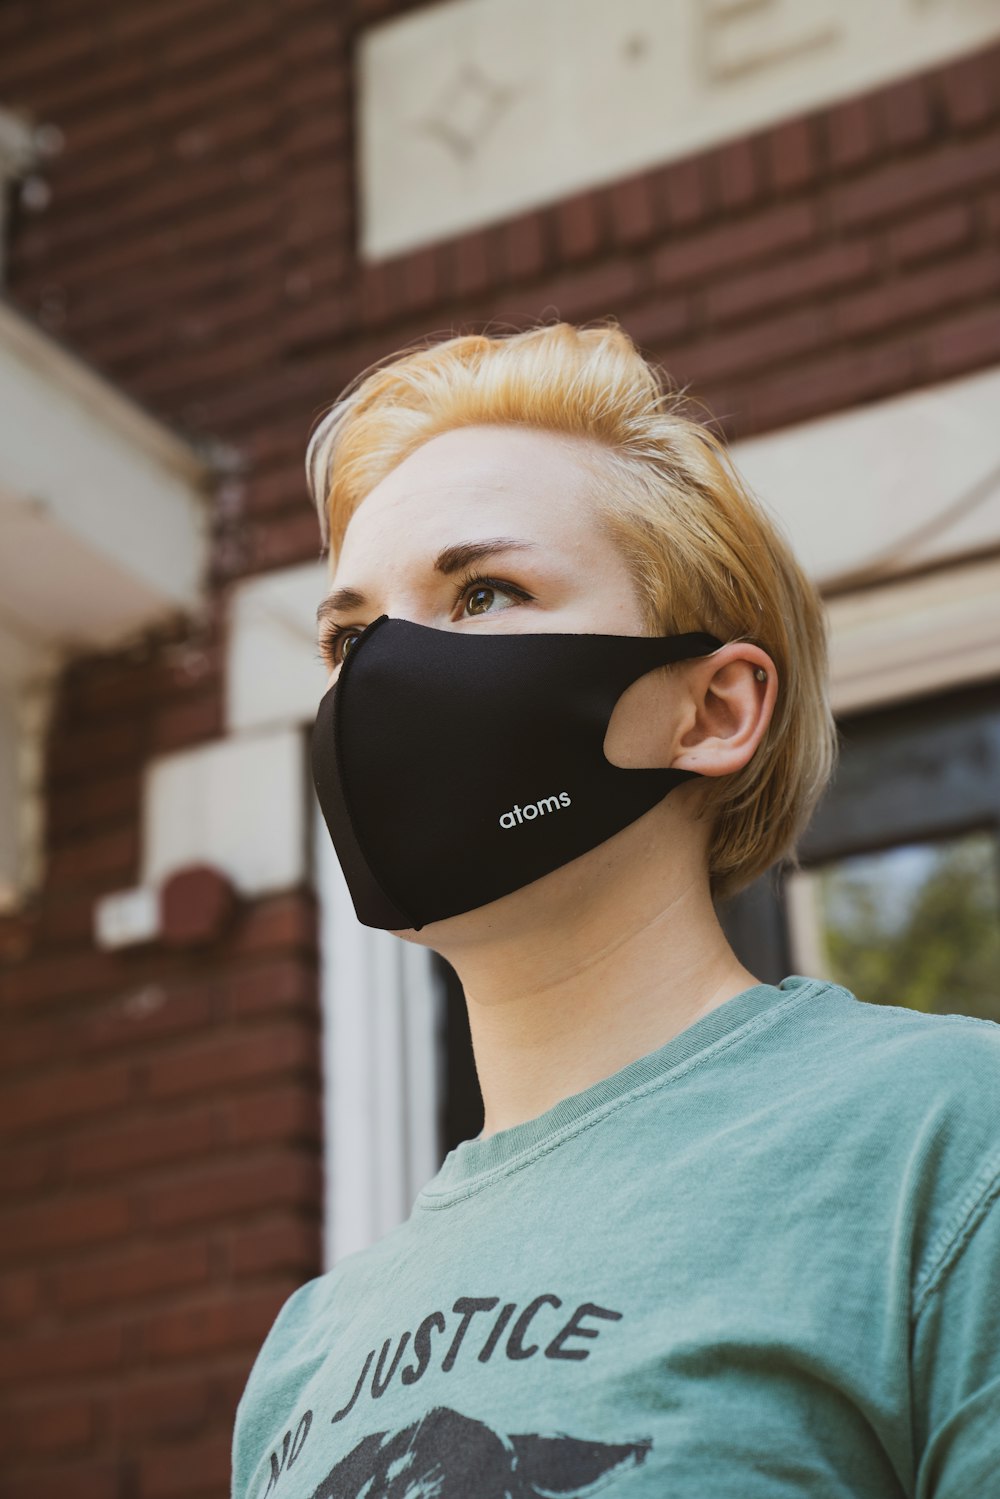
[{"x": 448, "y": 1455}]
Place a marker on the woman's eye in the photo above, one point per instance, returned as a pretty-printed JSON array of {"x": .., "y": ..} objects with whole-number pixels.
[
  {"x": 335, "y": 644},
  {"x": 480, "y": 594}
]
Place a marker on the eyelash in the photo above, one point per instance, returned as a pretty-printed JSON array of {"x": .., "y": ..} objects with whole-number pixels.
[{"x": 332, "y": 635}]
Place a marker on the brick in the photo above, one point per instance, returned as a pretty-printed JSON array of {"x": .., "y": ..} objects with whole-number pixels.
[
  {"x": 523, "y": 252},
  {"x": 148, "y": 23},
  {"x": 33, "y": 1039},
  {"x": 658, "y": 321},
  {"x": 132, "y": 1275},
  {"x": 634, "y": 210},
  {"x": 736, "y": 172},
  {"x": 77, "y": 46},
  {"x": 114, "y": 798},
  {"x": 226, "y": 1322},
  {"x": 64, "y": 1223},
  {"x": 919, "y": 295},
  {"x": 213, "y": 40},
  {"x": 63, "y": 1094},
  {"x": 112, "y": 173},
  {"x": 288, "y": 1114},
  {"x": 20, "y": 1297},
  {"x": 850, "y": 133},
  {"x": 290, "y": 539},
  {"x": 26, "y": 1167},
  {"x": 471, "y": 268},
  {"x": 99, "y": 858},
  {"x": 146, "y": 1142},
  {"x": 826, "y": 384},
  {"x": 201, "y": 1467},
  {"x": 754, "y": 347},
  {"x": 948, "y": 228},
  {"x": 823, "y": 270},
  {"x": 281, "y": 923},
  {"x": 156, "y": 1405},
  {"x": 971, "y": 89},
  {"x": 374, "y": 294},
  {"x": 50, "y": 978},
  {"x": 233, "y": 1188},
  {"x": 70, "y": 1479},
  {"x": 950, "y": 170},
  {"x": 578, "y": 227},
  {"x": 189, "y": 721},
  {"x": 595, "y": 292},
  {"x": 686, "y": 190},
  {"x": 62, "y": 1356},
  {"x": 285, "y": 984},
  {"x": 47, "y": 1425},
  {"x": 702, "y": 255},
  {"x": 149, "y": 1012},
  {"x": 290, "y": 1244},
  {"x": 904, "y": 111},
  {"x": 73, "y": 756},
  {"x": 791, "y": 155},
  {"x": 232, "y": 1058},
  {"x": 964, "y": 344},
  {"x": 418, "y": 281}
]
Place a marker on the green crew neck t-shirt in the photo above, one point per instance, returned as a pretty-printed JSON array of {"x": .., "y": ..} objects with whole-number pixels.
[{"x": 761, "y": 1261}]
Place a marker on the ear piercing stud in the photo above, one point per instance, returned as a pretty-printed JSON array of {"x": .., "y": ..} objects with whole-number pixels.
[{"x": 760, "y": 674}]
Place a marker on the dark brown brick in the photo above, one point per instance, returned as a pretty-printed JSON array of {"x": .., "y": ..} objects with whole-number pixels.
[
  {"x": 963, "y": 344},
  {"x": 133, "y": 1275},
  {"x": 522, "y": 247},
  {"x": 931, "y": 234},
  {"x": 904, "y": 111},
  {"x": 64, "y": 1223},
  {"x": 202, "y": 1467},
  {"x": 701, "y": 256},
  {"x": 31, "y": 1425},
  {"x": 173, "y": 1136},
  {"x": 823, "y": 270},
  {"x": 63, "y": 1357},
  {"x": 920, "y": 295},
  {"x": 232, "y": 1189},
  {"x": 737, "y": 175},
  {"x": 158, "y": 1404},
  {"x": 949, "y": 170},
  {"x": 195, "y": 1329},
  {"x": 290, "y": 1244},
  {"x": 290, "y": 1113},
  {"x": 578, "y": 227},
  {"x": 791, "y": 155},
  {"x": 850, "y": 133},
  {"x": 686, "y": 189},
  {"x": 754, "y": 347},
  {"x": 634, "y": 211},
  {"x": 63, "y": 1094}
]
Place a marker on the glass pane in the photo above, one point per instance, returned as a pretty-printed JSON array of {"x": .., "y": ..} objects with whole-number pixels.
[{"x": 916, "y": 925}]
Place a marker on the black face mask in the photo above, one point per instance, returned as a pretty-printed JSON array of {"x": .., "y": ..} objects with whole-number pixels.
[{"x": 453, "y": 768}]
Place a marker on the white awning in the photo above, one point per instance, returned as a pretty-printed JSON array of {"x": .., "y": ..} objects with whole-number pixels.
[{"x": 103, "y": 533}]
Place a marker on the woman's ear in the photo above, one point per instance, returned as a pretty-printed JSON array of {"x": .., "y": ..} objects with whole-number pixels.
[{"x": 725, "y": 707}]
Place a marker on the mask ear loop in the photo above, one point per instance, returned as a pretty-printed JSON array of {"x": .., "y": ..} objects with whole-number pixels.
[{"x": 690, "y": 646}]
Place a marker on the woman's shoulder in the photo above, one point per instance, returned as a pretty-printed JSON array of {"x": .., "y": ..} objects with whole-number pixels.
[{"x": 905, "y": 1043}]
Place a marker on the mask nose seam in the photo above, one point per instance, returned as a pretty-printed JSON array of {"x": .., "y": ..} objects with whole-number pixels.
[{"x": 345, "y": 792}]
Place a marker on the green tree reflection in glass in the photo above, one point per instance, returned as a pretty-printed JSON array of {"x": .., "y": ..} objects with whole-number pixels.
[{"x": 917, "y": 925}]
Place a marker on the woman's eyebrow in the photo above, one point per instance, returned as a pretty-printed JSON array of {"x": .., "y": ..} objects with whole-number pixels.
[{"x": 452, "y": 559}]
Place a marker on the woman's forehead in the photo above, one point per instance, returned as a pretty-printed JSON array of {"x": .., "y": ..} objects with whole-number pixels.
[{"x": 484, "y": 480}]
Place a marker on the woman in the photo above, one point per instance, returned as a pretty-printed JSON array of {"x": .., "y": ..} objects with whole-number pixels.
[{"x": 718, "y": 1237}]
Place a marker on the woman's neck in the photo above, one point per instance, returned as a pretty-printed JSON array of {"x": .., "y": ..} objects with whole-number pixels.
[{"x": 598, "y": 964}]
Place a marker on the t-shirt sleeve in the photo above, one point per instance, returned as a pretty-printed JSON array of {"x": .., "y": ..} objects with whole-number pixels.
[{"x": 956, "y": 1353}]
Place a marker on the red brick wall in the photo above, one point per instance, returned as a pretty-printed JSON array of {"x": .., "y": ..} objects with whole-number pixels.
[{"x": 159, "y": 1109}]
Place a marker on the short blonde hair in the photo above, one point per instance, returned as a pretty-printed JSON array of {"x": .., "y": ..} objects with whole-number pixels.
[{"x": 704, "y": 552}]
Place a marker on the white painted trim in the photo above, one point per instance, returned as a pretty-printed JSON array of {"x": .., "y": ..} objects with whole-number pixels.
[
  {"x": 915, "y": 636},
  {"x": 383, "y": 1067}
]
